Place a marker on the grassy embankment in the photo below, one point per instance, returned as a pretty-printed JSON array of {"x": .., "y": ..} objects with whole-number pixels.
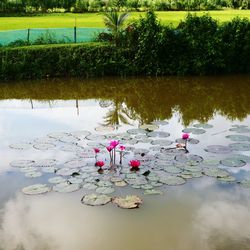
[{"x": 95, "y": 19}]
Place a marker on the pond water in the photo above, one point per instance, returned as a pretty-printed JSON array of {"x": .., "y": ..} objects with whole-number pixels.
[{"x": 41, "y": 120}]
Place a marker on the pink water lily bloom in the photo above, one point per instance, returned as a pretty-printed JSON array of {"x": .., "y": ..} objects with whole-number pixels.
[
  {"x": 97, "y": 150},
  {"x": 135, "y": 164},
  {"x": 109, "y": 148},
  {"x": 114, "y": 143},
  {"x": 185, "y": 136},
  {"x": 122, "y": 148},
  {"x": 100, "y": 164}
]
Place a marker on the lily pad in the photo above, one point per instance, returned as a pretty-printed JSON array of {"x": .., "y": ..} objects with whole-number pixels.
[
  {"x": 46, "y": 163},
  {"x": 244, "y": 158},
  {"x": 160, "y": 123},
  {"x": 129, "y": 201},
  {"x": 240, "y": 146},
  {"x": 21, "y": 146},
  {"x": 104, "y": 184},
  {"x": 149, "y": 127},
  {"x": 80, "y": 134},
  {"x": 44, "y": 146},
  {"x": 95, "y": 199},
  {"x": 49, "y": 169},
  {"x": 189, "y": 159},
  {"x": 172, "y": 170},
  {"x": 67, "y": 171},
  {"x": 36, "y": 189},
  {"x": 238, "y": 138},
  {"x": 120, "y": 183},
  {"x": 152, "y": 192},
  {"x": 159, "y": 134},
  {"x": 141, "y": 151},
  {"x": 215, "y": 172},
  {"x": 203, "y": 125},
  {"x": 189, "y": 140},
  {"x": 172, "y": 180},
  {"x": 135, "y": 131},
  {"x": 22, "y": 163},
  {"x": 75, "y": 164},
  {"x": 218, "y": 149},
  {"x": 69, "y": 139},
  {"x": 90, "y": 186},
  {"x": 28, "y": 169},
  {"x": 105, "y": 190},
  {"x": 240, "y": 129},
  {"x": 161, "y": 142},
  {"x": 56, "y": 180},
  {"x": 233, "y": 162},
  {"x": 66, "y": 187},
  {"x": 45, "y": 140},
  {"x": 227, "y": 179},
  {"x": 74, "y": 180},
  {"x": 195, "y": 131},
  {"x": 58, "y": 135},
  {"x": 33, "y": 174},
  {"x": 71, "y": 148}
]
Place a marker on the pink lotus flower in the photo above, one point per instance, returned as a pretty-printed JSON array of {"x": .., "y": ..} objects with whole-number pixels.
[
  {"x": 114, "y": 143},
  {"x": 110, "y": 148},
  {"x": 135, "y": 164},
  {"x": 185, "y": 136},
  {"x": 122, "y": 148},
  {"x": 99, "y": 164},
  {"x": 97, "y": 150}
]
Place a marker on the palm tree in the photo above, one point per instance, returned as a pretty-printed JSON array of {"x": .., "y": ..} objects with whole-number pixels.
[{"x": 114, "y": 22}]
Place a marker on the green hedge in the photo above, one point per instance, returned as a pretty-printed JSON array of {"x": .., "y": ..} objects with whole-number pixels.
[{"x": 80, "y": 60}]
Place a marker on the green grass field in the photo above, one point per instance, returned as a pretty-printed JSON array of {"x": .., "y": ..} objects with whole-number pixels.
[{"x": 95, "y": 20}]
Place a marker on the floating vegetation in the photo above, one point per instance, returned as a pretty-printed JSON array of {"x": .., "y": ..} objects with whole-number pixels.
[
  {"x": 45, "y": 163},
  {"x": 66, "y": 187},
  {"x": 227, "y": 179},
  {"x": 153, "y": 192},
  {"x": 44, "y": 146},
  {"x": 45, "y": 140},
  {"x": 149, "y": 127},
  {"x": 218, "y": 149},
  {"x": 33, "y": 174},
  {"x": 160, "y": 123},
  {"x": 240, "y": 129},
  {"x": 238, "y": 138},
  {"x": 245, "y": 183},
  {"x": 233, "y": 162},
  {"x": 240, "y": 146},
  {"x": 172, "y": 180},
  {"x": 58, "y": 135},
  {"x": 162, "y": 142},
  {"x": 22, "y": 163},
  {"x": 189, "y": 140},
  {"x": 195, "y": 131},
  {"x": 105, "y": 128},
  {"x": 189, "y": 159},
  {"x": 21, "y": 146},
  {"x": 129, "y": 201},
  {"x": 80, "y": 134},
  {"x": 96, "y": 137},
  {"x": 69, "y": 139},
  {"x": 36, "y": 189},
  {"x": 135, "y": 131},
  {"x": 203, "y": 125},
  {"x": 95, "y": 199},
  {"x": 215, "y": 172},
  {"x": 56, "y": 180},
  {"x": 159, "y": 134}
]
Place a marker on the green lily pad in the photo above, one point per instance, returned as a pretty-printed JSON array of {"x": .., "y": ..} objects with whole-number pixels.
[
  {"x": 58, "y": 135},
  {"x": 189, "y": 140},
  {"x": 186, "y": 175},
  {"x": 71, "y": 148},
  {"x": 192, "y": 168},
  {"x": 203, "y": 125},
  {"x": 172, "y": 169},
  {"x": 240, "y": 146},
  {"x": 69, "y": 139},
  {"x": 66, "y": 171},
  {"x": 233, "y": 162},
  {"x": 215, "y": 172},
  {"x": 211, "y": 162},
  {"x": 149, "y": 127},
  {"x": 36, "y": 189},
  {"x": 94, "y": 137},
  {"x": 240, "y": 129},
  {"x": 21, "y": 146},
  {"x": 244, "y": 158},
  {"x": 56, "y": 180},
  {"x": 66, "y": 187},
  {"x": 159, "y": 134},
  {"x": 238, "y": 138},
  {"x": 195, "y": 131},
  {"x": 95, "y": 199},
  {"x": 49, "y": 169},
  {"x": 80, "y": 134},
  {"x": 45, "y": 140},
  {"x": 227, "y": 179},
  {"x": 161, "y": 142},
  {"x": 141, "y": 151},
  {"x": 28, "y": 169},
  {"x": 105, "y": 190},
  {"x": 129, "y": 201},
  {"x": 90, "y": 186},
  {"x": 22, "y": 163},
  {"x": 75, "y": 180},
  {"x": 146, "y": 186},
  {"x": 33, "y": 174},
  {"x": 189, "y": 159},
  {"x": 153, "y": 192},
  {"x": 172, "y": 180},
  {"x": 120, "y": 183},
  {"x": 46, "y": 163},
  {"x": 156, "y": 184},
  {"x": 104, "y": 184},
  {"x": 135, "y": 131},
  {"x": 78, "y": 163},
  {"x": 218, "y": 149}
]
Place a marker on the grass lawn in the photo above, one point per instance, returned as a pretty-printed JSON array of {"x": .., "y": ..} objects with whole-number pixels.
[{"x": 95, "y": 20}]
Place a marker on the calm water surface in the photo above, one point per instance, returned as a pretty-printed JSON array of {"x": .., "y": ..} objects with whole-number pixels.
[{"x": 202, "y": 214}]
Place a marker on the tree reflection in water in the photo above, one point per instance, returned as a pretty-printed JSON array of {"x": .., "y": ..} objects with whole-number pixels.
[{"x": 146, "y": 99}]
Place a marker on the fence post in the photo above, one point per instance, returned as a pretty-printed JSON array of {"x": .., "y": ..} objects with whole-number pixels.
[{"x": 28, "y": 36}]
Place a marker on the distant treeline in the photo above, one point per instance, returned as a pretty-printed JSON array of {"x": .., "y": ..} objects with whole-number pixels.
[
  {"x": 198, "y": 46},
  {"x": 43, "y": 6}
]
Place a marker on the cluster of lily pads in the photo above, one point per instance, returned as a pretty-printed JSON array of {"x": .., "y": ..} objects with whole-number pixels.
[{"x": 145, "y": 159}]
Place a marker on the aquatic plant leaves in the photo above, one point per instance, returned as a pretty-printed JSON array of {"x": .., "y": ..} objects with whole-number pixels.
[
  {"x": 245, "y": 183},
  {"x": 149, "y": 127},
  {"x": 172, "y": 180},
  {"x": 33, "y": 174},
  {"x": 21, "y": 146},
  {"x": 160, "y": 134},
  {"x": 105, "y": 190},
  {"x": 195, "y": 131},
  {"x": 105, "y": 128},
  {"x": 203, "y": 125},
  {"x": 215, "y": 172},
  {"x": 93, "y": 137},
  {"x": 189, "y": 159},
  {"x": 95, "y": 199},
  {"x": 22, "y": 163},
  {"x": 36, "y": 189},
  {"x": 153, "y": 192},
  {"x": 218, "y": 149},
  {"x": 128, "y": 202},
  {"x": 66, "y": 187},
  {"x": 58, "y": 135},
  {"x": 240, "y": 129},
  {"x": 240, "y": 146},
  {"x": 56, "y": 180},
  {"x": 135, "y": 131},
  {"x": 189, "y": 140},
  {"x": 161, "y": 142},
  {"x": 45, "y": 163},
  {"x": 233, "y": 162},
  {"x": 238, "y": 138}
]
